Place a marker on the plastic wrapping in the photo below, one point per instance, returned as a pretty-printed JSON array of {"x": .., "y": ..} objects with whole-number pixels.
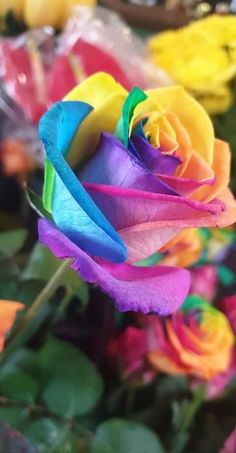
[
  {"x": 25, "y": 64},
  {"x": 96, "y": 39},
  {"x": 20, "y": 149},
  {"x": 38, "y": 68}
]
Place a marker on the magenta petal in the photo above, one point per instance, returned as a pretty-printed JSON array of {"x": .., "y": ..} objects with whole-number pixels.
[
  {"x": 157, "y": 289},
  {"x": 184, "y": 186},
  {"x": 128, "y": 207}
]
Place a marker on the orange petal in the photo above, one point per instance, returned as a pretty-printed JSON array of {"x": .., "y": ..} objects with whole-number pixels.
[
  {"x": 197, "y": 168},
  {"x": 184, "y": 250},
  {"x": 221, "y": 169},
  {"x": 184, "y": 151},
  {"x": 161, "y": 362},
  {"x": 8, "y": 311}
]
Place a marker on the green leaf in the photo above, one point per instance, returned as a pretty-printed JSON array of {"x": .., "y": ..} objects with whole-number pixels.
[
  {"x": 43, "y": 264},
  {"x": 19, "y": 385},
  {"x": 8, "y": 288},
  {"x": 36, "y": 203},
  {"x": 74, "y": 384},
  {"x": 124, "y": 436},
  {"x": 49, "y": 436},
  {"x": 28, "y": 290},
  {"x": 8, "y": 270},
  {"x": 99, "y": 446},
  {"x": 15, "y": 416},
  {"x": 20, "y": 358},
  {"x": 11, "y": 242}
]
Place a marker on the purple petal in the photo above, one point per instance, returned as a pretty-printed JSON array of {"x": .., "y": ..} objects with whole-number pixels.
[
  {"x": 153, "y": 158},
  {"x": 157, "y": 289},
  {"x": 115, "y": 165}
]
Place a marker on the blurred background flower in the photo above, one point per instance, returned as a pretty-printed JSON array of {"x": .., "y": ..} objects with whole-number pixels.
[{"x": 198, "y": 57}]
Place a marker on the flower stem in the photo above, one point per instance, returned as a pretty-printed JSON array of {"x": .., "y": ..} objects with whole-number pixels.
[
  {"x": 193, "y": 407},
  {"x": 47, "y": 292}
]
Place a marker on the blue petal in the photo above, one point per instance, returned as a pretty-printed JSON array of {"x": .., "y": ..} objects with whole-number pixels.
[{"x": 73, "y": 210}]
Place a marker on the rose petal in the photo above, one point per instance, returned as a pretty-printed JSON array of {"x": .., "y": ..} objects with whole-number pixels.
[
  {"x": 72, "y": 208},
  {"x": 114, "y": 165},
  {"x": 186, "y": 186},
  {"x": 221, "y": 168},
  {"x": 107, "y": 97},
  {"x": 191, "y": 114},
  {"x": 146, "y": 221},
  {"x": 156, "y": 289},
  {"x": 156, "y": 161},
  {"x": 95, "y": 89}
]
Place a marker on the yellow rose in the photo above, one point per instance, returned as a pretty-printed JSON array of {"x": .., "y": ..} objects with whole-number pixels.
[
  {"x": 219, "y": 101},
  {"x": 202, "y": 58}
]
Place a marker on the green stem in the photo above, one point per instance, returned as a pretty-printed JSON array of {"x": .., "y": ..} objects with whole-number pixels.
[
  {"x": 180, "y": 438},
  {"x": 193, "y": 407},
  {"x": 46, "y": 293}
]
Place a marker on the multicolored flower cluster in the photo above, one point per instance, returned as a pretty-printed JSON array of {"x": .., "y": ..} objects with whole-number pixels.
[{"x": 202, "y": 58}]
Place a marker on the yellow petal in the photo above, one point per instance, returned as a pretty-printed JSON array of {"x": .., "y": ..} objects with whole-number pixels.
[
  {"x": 107, "y": 97},
  {"x": 102, "y": 119},
  {"x": 192, "y": 116},
  {"x": 96, "y": 89}
]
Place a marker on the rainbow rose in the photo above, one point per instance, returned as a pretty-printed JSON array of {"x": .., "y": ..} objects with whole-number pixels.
[
  {"x": 197, "y": 340},
  {"x": 124, "y": 174}
]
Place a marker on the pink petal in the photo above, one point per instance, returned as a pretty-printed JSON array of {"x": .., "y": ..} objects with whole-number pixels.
[{"x": 146, "y": 221}]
